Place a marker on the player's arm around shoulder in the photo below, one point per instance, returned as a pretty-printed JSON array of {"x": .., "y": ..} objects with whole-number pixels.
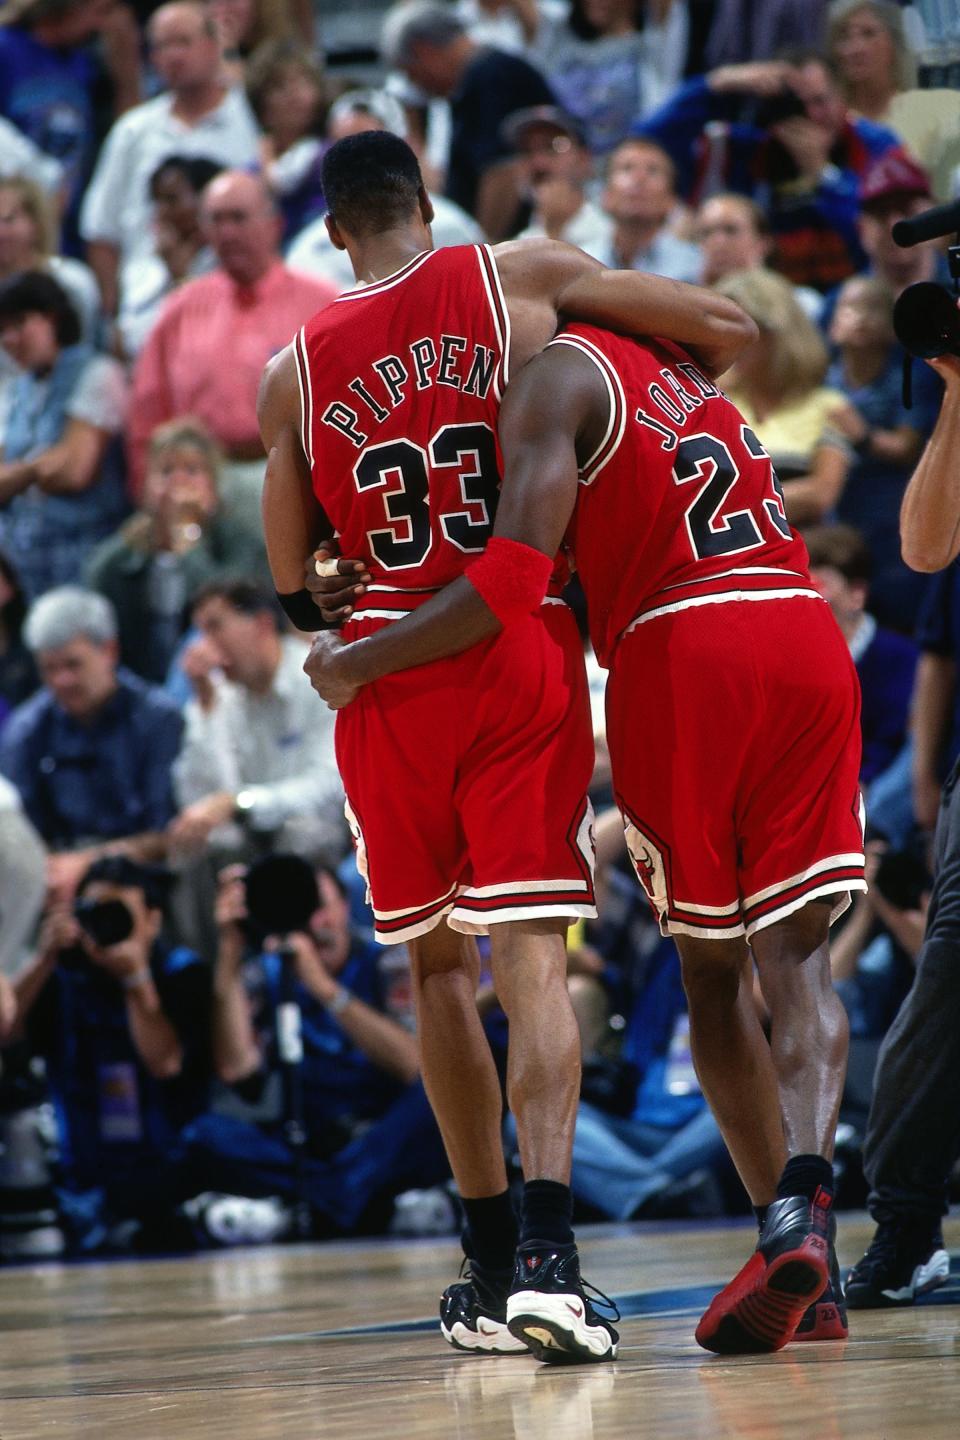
[{"x": 541, "y": 275}]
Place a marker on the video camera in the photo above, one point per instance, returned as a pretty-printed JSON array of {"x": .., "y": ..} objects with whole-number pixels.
[{"x": 925, "y": 317}]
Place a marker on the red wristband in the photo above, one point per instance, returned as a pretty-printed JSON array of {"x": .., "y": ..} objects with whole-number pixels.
[{"x": 511, "y": 578}]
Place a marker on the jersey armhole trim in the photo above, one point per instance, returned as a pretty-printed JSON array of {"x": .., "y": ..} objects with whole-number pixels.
[
  {"x": 306, "y": 394},
  {"x": 490, "y": 276},
  {"x": 617, "y": 420}
]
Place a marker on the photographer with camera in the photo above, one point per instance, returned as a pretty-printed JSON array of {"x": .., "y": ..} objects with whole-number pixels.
[
  {"x": 779, "y": 131},
  {"x": 913, "y": 1133},
  {"x": 367, "y": 1130},
  {"x": 121, "y": 1019}
]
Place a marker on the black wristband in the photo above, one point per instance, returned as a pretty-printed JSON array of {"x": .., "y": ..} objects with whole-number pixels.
[{"x": 299, "y": 608}]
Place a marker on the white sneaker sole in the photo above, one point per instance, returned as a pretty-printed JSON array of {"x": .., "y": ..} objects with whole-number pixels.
[
  {"x": 926, "y": 1277},
  {"x": 556, "y": 1329},
  {"x": 490, "y": 1338}
]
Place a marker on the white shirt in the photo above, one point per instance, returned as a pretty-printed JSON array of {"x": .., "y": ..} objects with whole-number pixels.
[
  {"x": 312, "y": 252},
  {"x": 117, "y": 207},
  {"x": 277, "y": 746},
  {"x": 590, "y": 230}
]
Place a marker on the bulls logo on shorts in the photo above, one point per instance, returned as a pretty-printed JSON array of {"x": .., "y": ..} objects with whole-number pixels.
[{"x": 648, "y": 862}]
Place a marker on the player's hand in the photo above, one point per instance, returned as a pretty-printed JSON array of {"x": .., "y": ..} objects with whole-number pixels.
[
  {"x": 335, "y": 583},
  {"x": 326, "y": 665}
]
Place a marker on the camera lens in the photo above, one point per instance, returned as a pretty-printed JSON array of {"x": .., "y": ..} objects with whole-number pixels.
[
  {"x": 926, "y": 321},
  {"x": 106, "y": 922}
]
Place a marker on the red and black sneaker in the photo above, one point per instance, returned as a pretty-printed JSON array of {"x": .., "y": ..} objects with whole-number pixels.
[
  {"x": 826, "y": 1318},
  {"x": 762, "y": 1306}
]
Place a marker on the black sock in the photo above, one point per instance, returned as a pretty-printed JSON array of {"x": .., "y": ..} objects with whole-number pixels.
[
  {"x": 761, "y": 1213},
  {"x": 805, "y": 1175},
  {"x": 490, "y": 1234},
  {"x": 545, "y": 1212}
]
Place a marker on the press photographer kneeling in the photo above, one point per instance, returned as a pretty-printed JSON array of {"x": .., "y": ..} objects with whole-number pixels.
[
  {"x": 329, "y": 1119},
  {"x": 122, "y": 1021}
]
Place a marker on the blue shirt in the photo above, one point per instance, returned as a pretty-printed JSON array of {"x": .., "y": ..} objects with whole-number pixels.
[
  {"x": 48, "y": 94},
  {"x": 874, "y": 489},
  {"x": 340, "y": 1081},
  {"x": 938, "y": 633},
  {"x": 886, "y": 670},
  {"x": 104, "y": 780},
  {"x": 116, "y": 1120}
]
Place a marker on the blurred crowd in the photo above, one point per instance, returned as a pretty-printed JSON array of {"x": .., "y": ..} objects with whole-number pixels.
[{"x": 179, "y": 1068}]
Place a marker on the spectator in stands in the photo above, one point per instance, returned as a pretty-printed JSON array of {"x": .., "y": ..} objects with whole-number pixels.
[
  {"x": 23, "y": 885},
  {"x": 734, "y": 234},
  {"x": 61, "y": 468},
  {"x": 247, "y": 309},
  {"x": 122, "y": 1021},
  {"x": 639, "y": 197},
  {"x": 18, "y": 673},
  {"x": 554, "y": 167},
  {"x": 179, "y": 540},
  {"x": 777, "y": 383},
  {"x": 802, "y": 156},
  {"x": 288, "y": 95},
  {"x": 878, "y": 76},
  {"x": 244, "y": 25},
  {"x": 886, "y": 437},
  {"x": 28, "y": 241},
  {"x": 48, "y": 76},
  {"x": 257, "y": 768},
  {"x": 886, "y": 662},
  {"x": 91, "y": 753},
  {"x": 196, "y": 116},
  {"x": 370, "y": 1133},
  {"x": 180, "y": 250},
  {"x": 427, "y": 41},
  {"x": 353, "y": 112},
  {"x": 894, "y": 189},
  {"x": 603, "y": 67}
]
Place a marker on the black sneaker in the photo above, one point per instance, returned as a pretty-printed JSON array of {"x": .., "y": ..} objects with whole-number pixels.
[
  {"x": 548, "y": 1310},
  {"x": 764, "y": 1303},
  {"x": 905, "y": 1259},
  {"x": 473, "y": 1312},
  {"x": 826, "y": 1318}
]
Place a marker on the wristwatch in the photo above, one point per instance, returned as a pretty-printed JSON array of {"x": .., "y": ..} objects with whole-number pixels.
[{"x": 339, "y": 1000}]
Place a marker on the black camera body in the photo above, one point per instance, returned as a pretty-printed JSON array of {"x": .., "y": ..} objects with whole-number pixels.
[
  {"x": 926, "y": 321},
  {"x": 105, "y": 922},
  {"x": 281, "y": 893}
]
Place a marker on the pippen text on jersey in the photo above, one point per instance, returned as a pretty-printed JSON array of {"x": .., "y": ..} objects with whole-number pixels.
[{"x": 457, "y": 363}]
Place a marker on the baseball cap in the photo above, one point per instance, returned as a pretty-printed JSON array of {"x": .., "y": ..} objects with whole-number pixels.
[
  {"x": 895, "y": 173},
  {"x": 515, "y": 124}
]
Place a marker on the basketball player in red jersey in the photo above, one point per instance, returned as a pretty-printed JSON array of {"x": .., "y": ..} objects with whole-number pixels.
[
  {"x": 467, "y": 781},
  {"x": 733, "y": 728}
]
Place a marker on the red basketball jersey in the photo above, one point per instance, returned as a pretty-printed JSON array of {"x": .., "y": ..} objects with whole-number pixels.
[
  {"x": 400, "y": 386},
  {"x": 680, "y": 505}
]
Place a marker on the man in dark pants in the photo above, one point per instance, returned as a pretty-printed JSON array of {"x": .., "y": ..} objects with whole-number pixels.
[{"x": 913, "y": 1134}]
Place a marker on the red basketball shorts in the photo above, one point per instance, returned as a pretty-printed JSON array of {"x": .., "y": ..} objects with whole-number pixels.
[
  {"x": 734, "y": 735},
  {"x": 466, "y": 783}
]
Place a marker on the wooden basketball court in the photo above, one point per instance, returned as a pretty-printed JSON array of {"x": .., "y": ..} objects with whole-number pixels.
[{"x": 296, "y": 1343}]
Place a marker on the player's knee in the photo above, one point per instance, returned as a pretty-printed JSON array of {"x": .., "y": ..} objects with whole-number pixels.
[{"x": 711, "y": 970}]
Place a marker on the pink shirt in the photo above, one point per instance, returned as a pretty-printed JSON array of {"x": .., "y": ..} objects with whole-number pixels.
[{"x": 206, "y": 353}]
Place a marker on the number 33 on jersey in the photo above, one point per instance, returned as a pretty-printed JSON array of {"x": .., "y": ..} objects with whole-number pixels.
[{"x": 403, "y": 447}]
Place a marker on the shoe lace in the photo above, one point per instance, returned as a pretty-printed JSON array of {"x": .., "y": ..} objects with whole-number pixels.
[{"x": 605, "y": 1302}]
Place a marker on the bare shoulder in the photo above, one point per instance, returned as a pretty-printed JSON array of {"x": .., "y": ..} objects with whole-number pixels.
[
  {"x": 278, "y": 397},
  {"x": 540, "y": 268},
  {"x": 558, "y": 389}
]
